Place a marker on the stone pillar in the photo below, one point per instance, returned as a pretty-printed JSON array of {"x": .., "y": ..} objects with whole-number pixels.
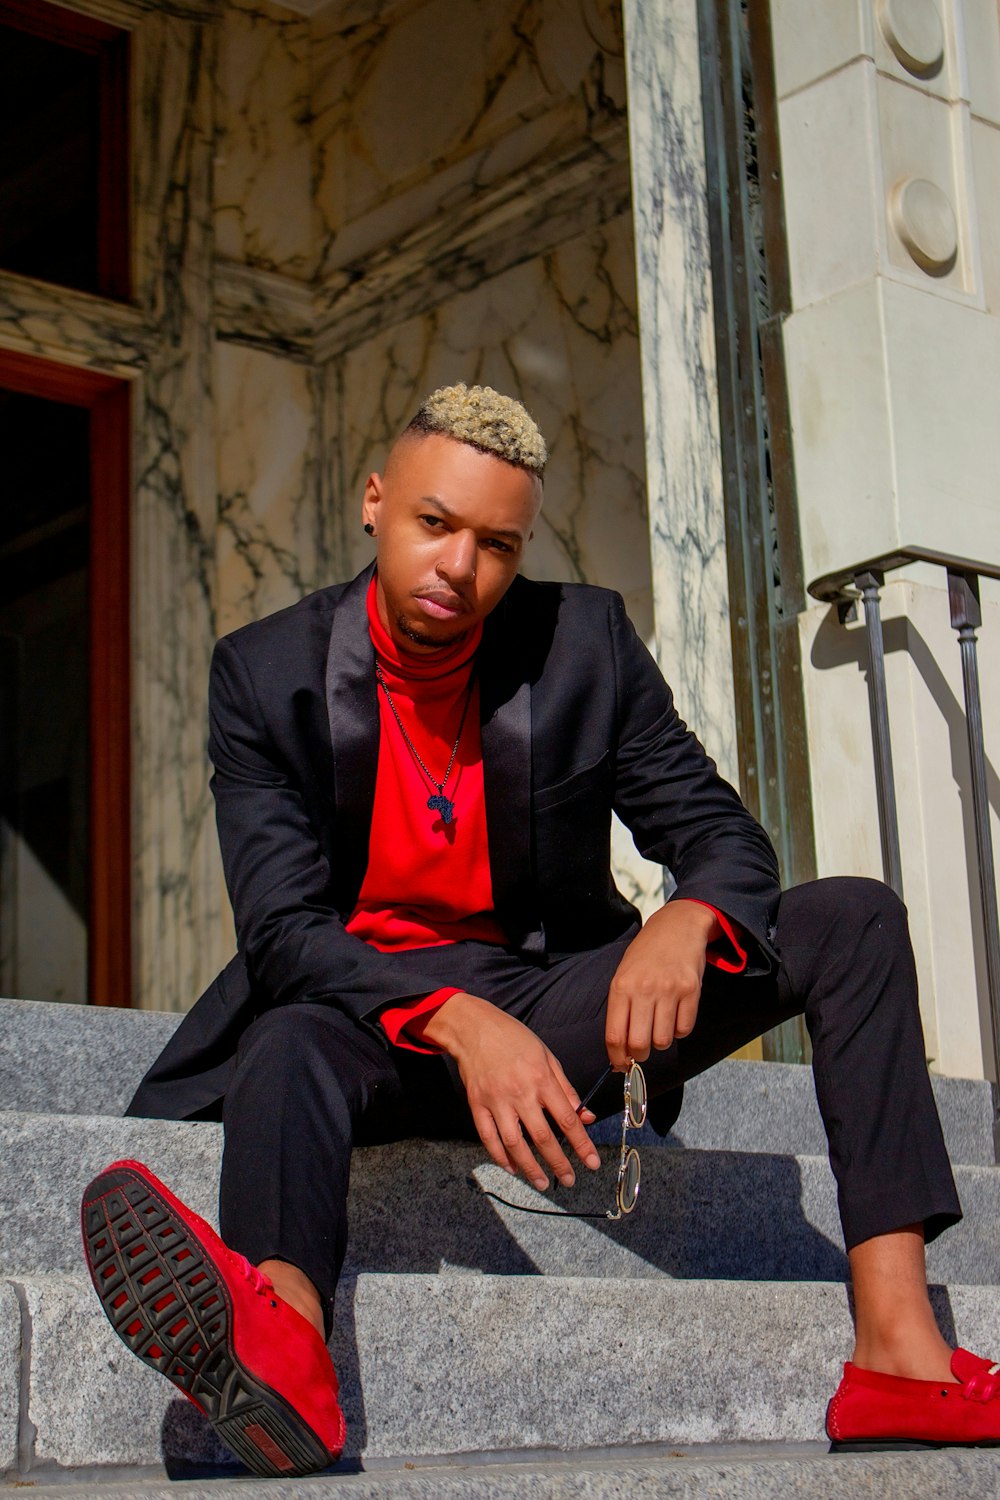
[
  {"x": 179, "y": 934},
  {"x": 676, "y": 336},
  {"x": 890, "y": 142}
]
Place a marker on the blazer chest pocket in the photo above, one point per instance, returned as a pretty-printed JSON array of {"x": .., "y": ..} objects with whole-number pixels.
[{"x": 579, "y": 784}]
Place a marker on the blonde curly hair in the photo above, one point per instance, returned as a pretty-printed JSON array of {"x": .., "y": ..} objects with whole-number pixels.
[{"x": 483, "y": 418}]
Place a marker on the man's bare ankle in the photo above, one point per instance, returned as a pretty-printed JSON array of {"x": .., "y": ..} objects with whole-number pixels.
[
  {"x": 294, "y": 1287},
  {"x": 923, "y": 1359}
]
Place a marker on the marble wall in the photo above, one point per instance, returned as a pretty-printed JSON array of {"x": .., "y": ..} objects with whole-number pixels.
[
  {"x": 263, "y": 160},
  {"x": 559, "y": 331},
  {"x": 444, "y": 103},
  {"x": 274, "y": 538},
  {"x": 332, "y": 215},
  {"x": 683, "y": 460}
]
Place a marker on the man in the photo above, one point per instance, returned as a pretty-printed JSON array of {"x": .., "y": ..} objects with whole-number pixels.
[{"x": 414, "y": 779}]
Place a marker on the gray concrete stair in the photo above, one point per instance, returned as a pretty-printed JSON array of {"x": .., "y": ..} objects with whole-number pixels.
[
  {"x": 483, "y": 1352},
  {"x": 419, "y": 1206},
  {"x": 787, "y": 1473},
  {"x": 434, "y": 1365},
  {"x": 87, "y": 1060},
  {"x": 675, "y": 1475}
]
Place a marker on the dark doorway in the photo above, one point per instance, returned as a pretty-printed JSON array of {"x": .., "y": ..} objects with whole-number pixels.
[
  {"x": 64, "y": 731},
  {"x": 63, "y": 147}
]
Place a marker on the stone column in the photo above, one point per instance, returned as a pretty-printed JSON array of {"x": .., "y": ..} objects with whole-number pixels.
[
  {"x": 676, "y": 336},
  {"x": 180, "y": 927}
]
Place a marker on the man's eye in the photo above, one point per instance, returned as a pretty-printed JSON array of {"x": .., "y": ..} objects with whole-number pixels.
[
  {"x": 498, "y": 545},
  {"x": 433, "y": 521}
]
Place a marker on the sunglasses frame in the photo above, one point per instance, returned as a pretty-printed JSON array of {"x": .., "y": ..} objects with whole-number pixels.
[{"x": 628, "y": 1154}]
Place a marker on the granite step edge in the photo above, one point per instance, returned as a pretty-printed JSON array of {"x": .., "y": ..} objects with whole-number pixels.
[
  {"x": 89, "y": 1059},
  {"x": 85, "y": 1401},
  {"x": 423, "y": 1206},
  {"x": 739, "y": 1475}
]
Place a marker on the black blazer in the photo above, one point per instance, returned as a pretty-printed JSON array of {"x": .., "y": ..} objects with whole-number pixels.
[{"x": 576, "y": 721}]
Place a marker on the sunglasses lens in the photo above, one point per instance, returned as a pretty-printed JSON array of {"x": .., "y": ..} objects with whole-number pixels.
[
  {"x": 628, "y": 1181},
  {"x": 635, "y": 1092}
]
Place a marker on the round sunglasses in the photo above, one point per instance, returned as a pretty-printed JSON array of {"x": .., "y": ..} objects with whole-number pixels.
[{"x": 629, "y": 1169}]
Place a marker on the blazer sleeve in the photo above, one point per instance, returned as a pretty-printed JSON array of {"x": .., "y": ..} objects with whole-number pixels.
[
  {"x": 289, "y": 931},
  {"x": 679, "y": 810}
]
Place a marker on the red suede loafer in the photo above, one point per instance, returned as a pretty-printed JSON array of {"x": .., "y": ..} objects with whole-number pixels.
[
  {"x": 211, "y": 1322},
  {"x": 874, "y": 1411}
]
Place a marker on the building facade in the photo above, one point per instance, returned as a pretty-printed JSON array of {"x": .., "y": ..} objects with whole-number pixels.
[{"x": 333, "y": 209}]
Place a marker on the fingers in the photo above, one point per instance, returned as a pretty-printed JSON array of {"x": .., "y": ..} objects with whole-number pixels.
[
  {"x": 547, "y": 1143},
  {"x": 490, "y": 1137},
  {"x": 563, "y": 1109},
  {"x": 501, "y": 1134},
  {"x": 616, "y": 1028},
  {"x": 506, "y": 1130},
  {"x": 520, "y": 1153},
  {"x": 638, "y": 1024},
  {"x": 687, "y": 1014}
]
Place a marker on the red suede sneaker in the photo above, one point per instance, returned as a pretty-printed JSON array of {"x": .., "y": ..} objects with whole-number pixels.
[
  {"x": 873, "y": 1411},
  {"x": 211, "y": 1322}
]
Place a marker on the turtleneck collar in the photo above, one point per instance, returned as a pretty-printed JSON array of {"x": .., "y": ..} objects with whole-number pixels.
[{"x": 406, "y": 664}]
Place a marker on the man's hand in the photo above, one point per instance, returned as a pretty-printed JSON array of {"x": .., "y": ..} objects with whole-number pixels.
[
  {"x": 654, "y": 995},
  {"x": 515, "y": 1086}
]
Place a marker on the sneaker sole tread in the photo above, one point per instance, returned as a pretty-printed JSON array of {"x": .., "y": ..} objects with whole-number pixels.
[{"x": 168, "y": 1302}]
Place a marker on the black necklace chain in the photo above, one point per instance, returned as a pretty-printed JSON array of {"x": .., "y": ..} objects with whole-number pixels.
[{"x": 439, "y": 802}]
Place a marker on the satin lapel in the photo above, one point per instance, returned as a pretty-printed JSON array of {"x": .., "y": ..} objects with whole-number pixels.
[
  {"x": 352, "y": 706},
  {"x": 505, "y": 714}
]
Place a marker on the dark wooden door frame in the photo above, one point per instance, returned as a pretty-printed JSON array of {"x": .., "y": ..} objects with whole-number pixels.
[{"x": 109, "y": 946}]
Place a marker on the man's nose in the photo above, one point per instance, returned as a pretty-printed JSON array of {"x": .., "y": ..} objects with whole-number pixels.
[{"x": 457, "y": 562}]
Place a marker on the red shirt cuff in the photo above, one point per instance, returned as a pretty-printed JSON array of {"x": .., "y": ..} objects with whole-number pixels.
[
  {"x": 726, "y": 953},
  {"x": 395, "y": 1017}
]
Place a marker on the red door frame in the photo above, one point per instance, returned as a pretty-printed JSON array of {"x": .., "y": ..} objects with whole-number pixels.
[{"x": 109, "y": 932}]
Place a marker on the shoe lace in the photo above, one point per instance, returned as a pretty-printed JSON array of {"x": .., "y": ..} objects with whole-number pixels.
[
  {"x": 260, "y": 1283},
  {"x": 983, "y": 1386}
]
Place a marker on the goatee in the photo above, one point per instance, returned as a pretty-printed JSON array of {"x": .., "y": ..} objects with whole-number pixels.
[{"x": 420, "y": 639}]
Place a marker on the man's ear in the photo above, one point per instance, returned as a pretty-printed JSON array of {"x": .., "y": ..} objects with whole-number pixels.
[{"x": 372, "y": 496}]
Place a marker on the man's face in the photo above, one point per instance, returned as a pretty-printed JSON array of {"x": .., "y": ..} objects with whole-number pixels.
[{"x": 451, "y": 524}]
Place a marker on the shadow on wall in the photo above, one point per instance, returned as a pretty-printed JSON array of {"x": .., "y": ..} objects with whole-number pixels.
[{"x": 835, "y": 646}]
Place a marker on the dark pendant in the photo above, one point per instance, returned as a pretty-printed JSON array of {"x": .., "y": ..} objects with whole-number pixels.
[{"x": 444, "y": 805}]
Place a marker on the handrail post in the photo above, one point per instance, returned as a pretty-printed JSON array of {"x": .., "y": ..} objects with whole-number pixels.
[
  {"x": 869, "y": 584},
  {"x": 967, "y": 618}
]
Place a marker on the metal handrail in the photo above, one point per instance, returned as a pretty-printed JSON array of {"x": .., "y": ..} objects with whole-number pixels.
[{"x": 864, "y": 581}]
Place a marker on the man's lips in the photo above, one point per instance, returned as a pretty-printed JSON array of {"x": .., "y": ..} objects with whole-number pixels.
[{"x": 442, "y": 606}]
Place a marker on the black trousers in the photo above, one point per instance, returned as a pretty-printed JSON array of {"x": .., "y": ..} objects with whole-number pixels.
[{"x": 310, "y": 1083}]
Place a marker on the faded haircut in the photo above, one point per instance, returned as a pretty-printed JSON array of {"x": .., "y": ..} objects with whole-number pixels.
[{"x": 484, "y": 419}]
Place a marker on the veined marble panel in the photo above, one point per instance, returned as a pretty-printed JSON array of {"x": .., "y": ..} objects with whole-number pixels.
[
  {"x": 559, "y": 332},
  {"x": 265, "y": 310},
  {"x": 180, "y": 927},
  {"x": 448, "y": 100},
  {"x": 131, "y": 13},
  {"x": 529, "y": 213},
  {"x": 345, "y": 16},
  {"x": 72, "y": 327},
  {"x": 526, "y": 215},
  {"x": 676, "y": 335},
  {"x": 274, "y": 537},
  {"x": 263, "y": 149}
]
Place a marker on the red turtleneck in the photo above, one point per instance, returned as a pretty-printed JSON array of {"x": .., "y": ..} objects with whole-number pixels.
[{"x": 427, "y": 882}]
